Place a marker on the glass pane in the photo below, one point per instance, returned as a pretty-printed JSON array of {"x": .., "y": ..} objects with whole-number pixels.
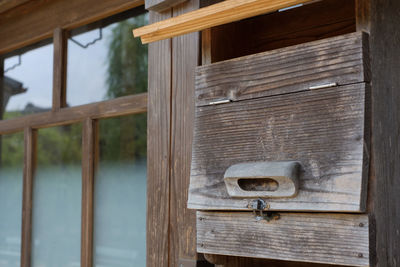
[
  {"x": 57, "y": 193},
  {"x": 116, "y": 61},
  {"x": 11, "y": 166},
  {"x": 28, "y": 81},
  {"x": 120, "y": 193}
]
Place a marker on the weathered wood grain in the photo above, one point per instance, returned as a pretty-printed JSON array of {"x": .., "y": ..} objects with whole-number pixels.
[
  {"x": 333, "y": 60},
  {"x": 323, "y": 129},
  {"x": 203, "y": 18},
  {"x": 30, "y": 137},
  {"x": 185, "y": 57},
  {"x": 158, "y": 150},
  {"x": 323, "y": 238},
  {"x": 111, "y": 108},
  {"x": 281, "y": 29}
]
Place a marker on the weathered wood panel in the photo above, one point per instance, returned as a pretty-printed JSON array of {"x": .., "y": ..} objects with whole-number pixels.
[
  {"x": 185, "y": 59},
  {"x": 158, "y": 150},
  {"x": 323, "y": 238},
  {"x": 281, "y": 29},
  {"x": 334, "y": 60},
  {"x": 60, "y": 41},
  {"x": 323, "y": 129},
  {"x": 385, "y": 55}
]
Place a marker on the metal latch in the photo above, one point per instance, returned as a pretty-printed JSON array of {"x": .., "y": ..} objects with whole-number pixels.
[{"x": 259, "y": 206}]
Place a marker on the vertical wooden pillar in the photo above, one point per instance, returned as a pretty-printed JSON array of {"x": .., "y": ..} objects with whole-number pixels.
[
  {"x": 89, "y": 134},
  {"x": 59, "y": 68},
  {"x": 158, "y": 149},
  {"x": 385, "y": 58},
  {"x": 185, "y": 59},
  {"x": 30, "y": 136}
]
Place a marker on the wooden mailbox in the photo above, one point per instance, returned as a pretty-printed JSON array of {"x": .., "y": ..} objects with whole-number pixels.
[{"x": 288, "y": 129}]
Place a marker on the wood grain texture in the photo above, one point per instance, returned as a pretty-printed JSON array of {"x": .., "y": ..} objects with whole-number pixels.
[
  {"x": 363, "y": 16},
  {"x": 9, "y": 4},
  {"x": 36, "y": 20},
  {"x": 385, "y": 54},
  {"x": 158, "y": 149},
  {"x": 111, "y": 108},
  {"x": 281, "y": 29},
  {"x": 30, "y": 137},
  {"x": 323, "y": 238},
  {"x": 185, "y": 58},
  {"x": 333, "y": 60},
  {"x": 323, "y": 129},
  {"x": 60, "y": 42},
  {"x": 161, "y": 5},
  {"x": 203, "y": 18},
  {"x": 88, "y": 164}
]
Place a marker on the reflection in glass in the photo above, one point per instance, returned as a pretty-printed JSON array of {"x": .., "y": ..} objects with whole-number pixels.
[
  {"x": 120, "y": 193},
  {"x": 11, "y": 166},
  {"x": 57, "y": 193},
  {"x": 113, "y": 64},
  {"x": 27, "y": 84}
]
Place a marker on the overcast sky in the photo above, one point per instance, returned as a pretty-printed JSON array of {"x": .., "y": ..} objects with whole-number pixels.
[{"x": 86, "y": 73}]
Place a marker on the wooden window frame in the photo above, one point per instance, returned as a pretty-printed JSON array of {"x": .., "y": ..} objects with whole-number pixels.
[{"x": 89, "y": 115}]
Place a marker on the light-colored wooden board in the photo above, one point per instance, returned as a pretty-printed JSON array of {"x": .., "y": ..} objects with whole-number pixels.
[
  {"x": 203, "y": 18},
  {"x": 322, "y": 129},
  {"x": 338, "y": 60},
  {"x": 340, "y": 239}
]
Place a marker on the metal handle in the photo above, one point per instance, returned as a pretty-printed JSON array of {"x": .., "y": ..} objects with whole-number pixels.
[{"x": 271, "y": 179}]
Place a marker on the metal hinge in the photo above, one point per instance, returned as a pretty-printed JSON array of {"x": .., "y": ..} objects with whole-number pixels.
[{"x": 321, "y": 86}]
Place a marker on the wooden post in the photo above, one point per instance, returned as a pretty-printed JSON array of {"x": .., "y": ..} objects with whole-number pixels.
[
  {"x": 30, "y": 136},
  {"x": 59, "y": 68},
  {"x": 385, "y": 208},
  {"x": 89, "y": 134}
]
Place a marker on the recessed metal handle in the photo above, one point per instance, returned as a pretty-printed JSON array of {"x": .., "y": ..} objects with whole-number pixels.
[{"x": 271, "y": 179}]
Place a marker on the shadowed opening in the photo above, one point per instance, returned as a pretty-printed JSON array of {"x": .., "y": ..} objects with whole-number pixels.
[{"x": 263, "y": 184}]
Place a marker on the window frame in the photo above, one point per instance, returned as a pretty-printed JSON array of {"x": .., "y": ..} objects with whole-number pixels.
[{"x": 89, "y": 115}]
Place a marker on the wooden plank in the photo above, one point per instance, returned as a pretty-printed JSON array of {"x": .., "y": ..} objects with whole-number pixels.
[
  {"x": 385, "y": 52},
  {"x": 30, "y": 137},
  {"x": 158, "y": 150},
  {"x": 323, "y": 129},
  {"x": 281, "y": 29},
  {"x": 161, "y": 5},
  {"x": 111, "y": 108},
  {"x": 36, "y": 20},
  {"x": 59, "y": 68},
  {"x": 185, "y": 58},
  {"x": 9, "y": 4},
  {"x": 88, "y": 159},
  {"x": 334, "y": 60},
  {"x": 203, "y": 18},
  {"x": 323, "y": 238}
]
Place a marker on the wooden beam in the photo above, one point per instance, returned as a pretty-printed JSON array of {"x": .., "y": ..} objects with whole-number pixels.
[
  {"x": 59, "y": 68},
  {"x": 203, "y": 18},
  {"x": 9, "y": 4},
  {"x": 88, "y": 160},
  {"x": 158, "y": 150},
  {"x": 111, "y": 108},
  {"x": 305, "y": 237},
  {"x": 30, "y": 137},
  {"x": 36, "y": 20},
  {"x": 363, "y": 19}
]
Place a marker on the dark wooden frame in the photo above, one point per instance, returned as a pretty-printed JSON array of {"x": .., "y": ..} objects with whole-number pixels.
[{"x": 88, "y": 115}]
